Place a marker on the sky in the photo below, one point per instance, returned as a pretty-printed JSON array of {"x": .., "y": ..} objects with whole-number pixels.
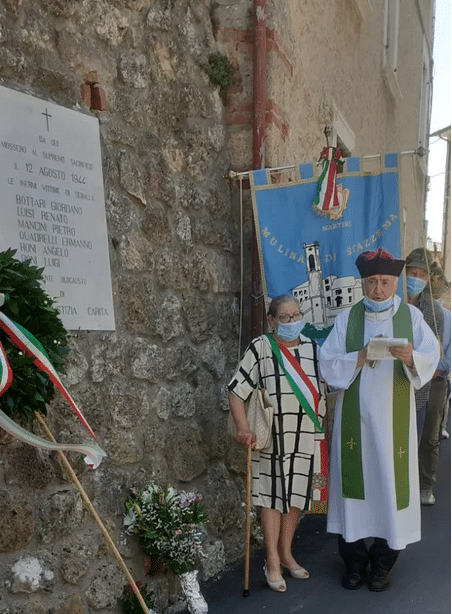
[{"x": 441, "y": 118}]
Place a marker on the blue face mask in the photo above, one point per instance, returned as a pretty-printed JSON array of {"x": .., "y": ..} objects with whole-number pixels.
[
  {"x": 290, "y": 331},
  {"x": 415, "y": 285},
  {"x": 377, "y": 306}
]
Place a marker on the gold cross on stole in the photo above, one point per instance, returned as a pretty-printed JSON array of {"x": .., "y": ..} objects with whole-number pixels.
[{"x": 351, "y": 443}]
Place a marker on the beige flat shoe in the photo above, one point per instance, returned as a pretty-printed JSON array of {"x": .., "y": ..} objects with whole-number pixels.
[
  {"x": 276, "y": 585},
  {"x": 297, "y": 572}
]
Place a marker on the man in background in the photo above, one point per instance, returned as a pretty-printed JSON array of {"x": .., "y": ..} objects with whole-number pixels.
[
  {"x": 438, "y": 401},
  {"x": 418, "y": 265}
]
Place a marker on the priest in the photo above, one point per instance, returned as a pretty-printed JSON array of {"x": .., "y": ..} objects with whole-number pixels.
[{"x": 374, "y": 479}]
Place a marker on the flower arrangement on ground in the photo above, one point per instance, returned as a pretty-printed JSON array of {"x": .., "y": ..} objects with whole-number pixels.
[{"x": 168, "y": 524}]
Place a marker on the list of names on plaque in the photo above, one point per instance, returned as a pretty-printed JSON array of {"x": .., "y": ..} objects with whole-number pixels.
[{"x": 52, "y": 204}]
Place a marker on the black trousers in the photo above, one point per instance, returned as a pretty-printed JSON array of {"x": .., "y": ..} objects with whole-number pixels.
[{"x": 357, "y": 557}]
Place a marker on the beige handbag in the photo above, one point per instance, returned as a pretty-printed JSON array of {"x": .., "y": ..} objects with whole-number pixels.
[{"x": 259, "y": 412}]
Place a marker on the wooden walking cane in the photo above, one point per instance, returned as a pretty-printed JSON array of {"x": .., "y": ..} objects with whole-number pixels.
[
  {"x": 246, "y": 574},
  {"x": 96, "y": 518}
]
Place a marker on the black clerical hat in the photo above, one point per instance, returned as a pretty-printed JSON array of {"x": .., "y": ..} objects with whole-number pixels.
[{"x": 379, "y": 262}]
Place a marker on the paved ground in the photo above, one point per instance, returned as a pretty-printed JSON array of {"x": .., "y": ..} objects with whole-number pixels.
[{"x": 421, "y": 579}]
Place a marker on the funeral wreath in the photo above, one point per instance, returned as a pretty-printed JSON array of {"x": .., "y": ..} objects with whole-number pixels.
[{"x": 32, "y": 308}]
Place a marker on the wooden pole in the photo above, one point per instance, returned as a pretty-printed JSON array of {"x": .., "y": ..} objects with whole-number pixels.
[
  {"x": 96, "y": 518},
  {"x": 259, "y": 126},
  {"x": 246, "y": 573}
]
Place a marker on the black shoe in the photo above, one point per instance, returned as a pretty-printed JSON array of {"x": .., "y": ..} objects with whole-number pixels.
[
  {"x": 379, "y": 580},
  {"x": 352, "y": 580}
]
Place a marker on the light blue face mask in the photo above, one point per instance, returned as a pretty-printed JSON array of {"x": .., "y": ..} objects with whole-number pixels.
[
  {"x": 290, "y": 331},
  {"x": 377, "y": 306},
  {"x": 414, "y": 285}
]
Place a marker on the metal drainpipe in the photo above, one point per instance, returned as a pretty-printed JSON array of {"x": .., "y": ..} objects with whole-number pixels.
[
  {"x": 446, "y": 213},
  {"x": 259, "y": 111}
]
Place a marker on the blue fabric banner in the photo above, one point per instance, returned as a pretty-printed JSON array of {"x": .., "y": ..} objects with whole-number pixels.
[{"x": 310, "y": 253}]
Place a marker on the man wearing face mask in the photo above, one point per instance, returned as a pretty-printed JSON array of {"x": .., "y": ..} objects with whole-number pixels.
[
  {"x": 436, "y": 408},
  {"x": 374, "y": 477},
  {"x": 418, "y": 266}
]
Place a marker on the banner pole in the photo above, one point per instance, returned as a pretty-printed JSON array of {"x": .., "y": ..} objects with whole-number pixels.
[
  {"x": 96, "y": 517},
  {"x": 235, "y": 174},
  {"x": 259, "y": 125}
]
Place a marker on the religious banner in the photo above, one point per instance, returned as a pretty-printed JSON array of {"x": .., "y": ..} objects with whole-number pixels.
[{"x": 310, "y": 231}]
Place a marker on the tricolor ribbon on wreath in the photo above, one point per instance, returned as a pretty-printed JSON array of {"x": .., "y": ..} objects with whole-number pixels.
[{"x": 26, "y": 342}]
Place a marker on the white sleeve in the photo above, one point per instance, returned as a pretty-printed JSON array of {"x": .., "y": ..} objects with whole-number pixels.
[{"x": 338, "y": 367}]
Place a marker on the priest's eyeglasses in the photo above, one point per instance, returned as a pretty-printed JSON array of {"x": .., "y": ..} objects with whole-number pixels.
[{"x": 285, "y": 318}]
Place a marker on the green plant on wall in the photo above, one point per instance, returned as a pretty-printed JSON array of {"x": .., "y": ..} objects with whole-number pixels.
[
  {"x": 28, "y": 305},
  {"x": 221, "y": 72}
]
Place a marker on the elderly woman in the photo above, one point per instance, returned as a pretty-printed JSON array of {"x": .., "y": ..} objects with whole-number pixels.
[{"x": 282, "y": 473}]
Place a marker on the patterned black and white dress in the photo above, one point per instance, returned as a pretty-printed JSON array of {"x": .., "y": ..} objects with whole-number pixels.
[{"x": 282, "y": 473}]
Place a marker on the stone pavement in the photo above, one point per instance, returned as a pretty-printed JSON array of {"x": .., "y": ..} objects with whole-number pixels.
[{"x": 421, "y": 579}]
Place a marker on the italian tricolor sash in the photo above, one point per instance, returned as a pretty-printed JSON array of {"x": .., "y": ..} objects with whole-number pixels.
[
  {"x": 300, "y": 383},
  {"x": 351, "y": 451}
]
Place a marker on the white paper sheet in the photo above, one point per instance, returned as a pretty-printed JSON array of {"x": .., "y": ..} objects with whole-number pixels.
[{"x": 378, "y": 347}]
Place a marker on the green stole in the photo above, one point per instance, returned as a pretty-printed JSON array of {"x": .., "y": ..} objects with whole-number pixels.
[{"x": 351, "y": 452}]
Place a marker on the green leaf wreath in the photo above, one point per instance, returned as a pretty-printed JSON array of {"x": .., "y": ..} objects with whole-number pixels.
[{"x": 28, "y": 304}]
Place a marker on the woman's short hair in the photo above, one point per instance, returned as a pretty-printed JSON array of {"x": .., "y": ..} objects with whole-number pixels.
[{"x": 276, "y": 302}]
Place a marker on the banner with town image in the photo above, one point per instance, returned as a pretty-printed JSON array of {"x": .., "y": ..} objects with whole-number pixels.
[{"x": 310, "y": 252}]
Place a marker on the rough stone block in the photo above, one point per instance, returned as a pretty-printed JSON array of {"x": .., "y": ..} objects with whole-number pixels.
[
  {"x": 130, "y": 177},
  {"x": 29, "y": 467},
  {"x": 128, "y": 402},
  {"x": 214, "y": 561},
  {"x": 148, "y": 361},
  {"x": 183, "y": 400},
  {"x": 214, "y": 357},
  {"x": 185, "y": 451},
  {"x": 29, "y": 575},
  {"x": 16, "y": 521},
  {"x": 105, "y": 587},
  {"x": 76, "y": 558},
  {"x": 224, "y": 512},
  {"x": 168, "y": 320},
  {"x": 72, "y": 605},
  {"x": 123, "y": 448},
  {"x": 61, "y": 8},
  {"x": 59, "y": 514},
  {"x": 133, "y": 70},
  {"x": 137, "y": 298},
  {"x": 136, "y": 253}
]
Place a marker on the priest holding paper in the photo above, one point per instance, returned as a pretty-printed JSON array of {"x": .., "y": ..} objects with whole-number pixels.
[{"x": 374, "y": 480}]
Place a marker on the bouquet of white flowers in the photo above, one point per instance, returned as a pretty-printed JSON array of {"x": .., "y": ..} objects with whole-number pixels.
[{"x": 168, "y": 525}]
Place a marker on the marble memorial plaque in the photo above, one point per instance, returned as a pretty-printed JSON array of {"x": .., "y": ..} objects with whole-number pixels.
[{"x": 52, "y": 206}]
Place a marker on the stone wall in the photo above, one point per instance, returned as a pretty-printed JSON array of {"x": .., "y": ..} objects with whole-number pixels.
[{"x": 154, "y": 390}]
